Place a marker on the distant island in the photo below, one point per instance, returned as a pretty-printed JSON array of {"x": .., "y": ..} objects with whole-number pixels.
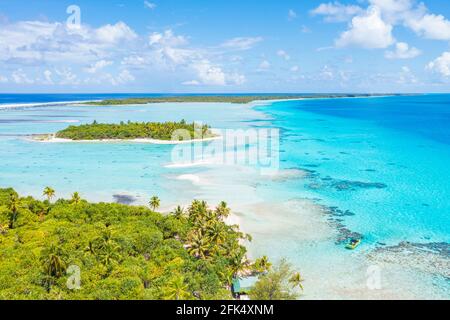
[
  {"x": 151, "y": 131},
  {"x": 221, "y": 99}
]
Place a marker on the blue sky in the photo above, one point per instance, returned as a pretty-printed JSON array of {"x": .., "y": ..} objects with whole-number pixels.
[{"x": 224, "y": 46}]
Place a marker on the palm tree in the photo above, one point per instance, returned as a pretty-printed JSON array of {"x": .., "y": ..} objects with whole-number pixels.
[
  {"x": 177, "y": 290},
  {"x": 154, "y": 203},
  {"x": 53, "y": 261},
  {"x": 178, "y": 212},
  {"x": 222, "y": 210},
  {"x": 296, "y": 280},
  {"x": 76, "y": 199},
  {"x": 262, "y": 264},
  {"x": 49, "y": 193},
  {"x": 198, "y": 246},
  {"x": 14, "y": 205},
  {"x": 216, "y": 232}
]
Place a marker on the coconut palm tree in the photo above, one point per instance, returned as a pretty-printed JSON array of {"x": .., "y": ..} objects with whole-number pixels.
[
  {"x": 53, "y": 261},
  {"x": 154, "y": 203},
  {"x": 262, "y": 264},
  {"x": 14, "y": 205},
  {"x": 49, "y": 193},
  {"x": 76, "y": 199},
  {"x": 197, "y": 211},
  {"x": 296, "y": 280},
  {"x": 176, "y": 290},
  {"x": 198, "y": 246},
  {"x": 178, "y": 212},
  {"x": 222, "y": 210},
  {"x": 216, "y": 233}
]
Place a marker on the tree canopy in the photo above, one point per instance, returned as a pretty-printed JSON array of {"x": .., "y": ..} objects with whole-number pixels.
[
  {"x": 121, "y": 252},
  {"x": 136, "y": 130}
]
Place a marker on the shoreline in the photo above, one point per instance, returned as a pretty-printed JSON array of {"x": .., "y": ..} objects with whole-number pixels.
[{"x": 51, "y": 138}]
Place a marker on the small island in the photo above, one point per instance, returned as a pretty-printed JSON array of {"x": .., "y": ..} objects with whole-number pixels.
[{"x": 153, "y": 132}]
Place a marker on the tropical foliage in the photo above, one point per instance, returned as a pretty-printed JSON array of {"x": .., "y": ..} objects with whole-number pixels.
[
  {"x": 122, "y": 252},
  {"x": 136, "y": 130},
  {"x": 279, "y": 283}
]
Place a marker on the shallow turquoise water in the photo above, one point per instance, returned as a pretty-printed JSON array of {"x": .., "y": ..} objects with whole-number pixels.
[{"x": 381, "y": 164}]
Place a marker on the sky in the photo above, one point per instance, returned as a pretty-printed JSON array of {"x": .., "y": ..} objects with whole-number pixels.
[{"x": 212, "y": 46}]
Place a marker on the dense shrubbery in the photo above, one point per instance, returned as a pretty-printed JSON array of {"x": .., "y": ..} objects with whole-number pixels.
[
  {"x": 122, "y": 252},
  {"x": 135, "y": 130}
]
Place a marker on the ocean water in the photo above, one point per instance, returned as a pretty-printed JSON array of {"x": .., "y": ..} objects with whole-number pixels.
[{"x": 376, "y": 168}]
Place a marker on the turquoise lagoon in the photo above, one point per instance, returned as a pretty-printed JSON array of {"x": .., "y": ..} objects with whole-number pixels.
[{"x": 371, "y": 167}]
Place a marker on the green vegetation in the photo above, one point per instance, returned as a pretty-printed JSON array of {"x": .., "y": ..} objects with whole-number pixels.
[
  {"x": 121, "y": 252},
  {"x": 217, "y": 99},
  {"x": 279, "y": 283},
  {"x": 136, "y": 130}
]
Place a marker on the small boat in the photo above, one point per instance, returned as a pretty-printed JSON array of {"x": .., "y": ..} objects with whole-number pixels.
[{"x": 353, "y": 244}]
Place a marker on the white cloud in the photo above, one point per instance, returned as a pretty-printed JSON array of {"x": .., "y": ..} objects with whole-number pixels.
[
  {"x": 48, "y": 77},
  {"x": 406, "y": 76},
  {"x": 134, "y": 61},
  {"x": 3, "y": 79},
  {"x": 20, "y": 77},
  {"x": 210, "y": 74},
  {"x": 283, "y": 54},
  {"x": 66, "y": 76},
  {"x": 264, "y": 65},
  {"x": 336, "y": 11},
  {"x": 326, "y": 73},
  {"x": 36, "y": 43},
  {"x": 167, "y": 38},
  {"x": 367, "y": 31},
  {"x": 292, "y": 14},
  {"x": 393, "y": 11},
  {"x": 441, "y": 64},
  {"x": 402, "y": 51},
  {"x": 430, "y": 26},
  {"x": 149, "y": 5},
  {"x": 191, "y": 83},
  {"x": 295, "y": 69},
  {"x": 241, "y": 43},
  {"x": 93, "y": 68},
  {"x": 305, "y": 29},
  {"x": 124, "y": 77},
  {"x": 115, "y": 33}
]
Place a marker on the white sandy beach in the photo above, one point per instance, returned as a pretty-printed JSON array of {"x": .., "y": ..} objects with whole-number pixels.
[{"x": 53, "y": 139}]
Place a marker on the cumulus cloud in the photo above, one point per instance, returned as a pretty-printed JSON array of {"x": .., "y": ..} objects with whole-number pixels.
[
  {"x": 336, "y": 11},
  {"x": 402, "y": 51},
  {"x": 441, "y": 64},
  {"x": 430, "y": 26},
  {"x": 367, "y": 31},
  {"x": 115, "y": 33},
  {"x": 34, "y": 42},
  {"x": 31, "y": 45},
  {"x": 213, "y": 75}
]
